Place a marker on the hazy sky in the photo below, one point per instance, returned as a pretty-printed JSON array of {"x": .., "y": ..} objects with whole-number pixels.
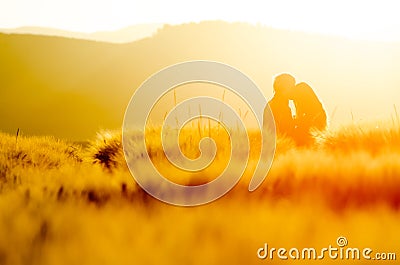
[{"x": 350, "y": 18}]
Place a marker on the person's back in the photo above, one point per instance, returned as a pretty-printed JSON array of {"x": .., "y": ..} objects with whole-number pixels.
[
  {"x": 282, "y": 115},
  {"x": 310, "y": 113}
]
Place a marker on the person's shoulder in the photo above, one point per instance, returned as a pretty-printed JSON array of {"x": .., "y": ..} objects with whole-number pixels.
[
  {"x": 274, "y": 101},
  {"x": 278, "y": 102}
]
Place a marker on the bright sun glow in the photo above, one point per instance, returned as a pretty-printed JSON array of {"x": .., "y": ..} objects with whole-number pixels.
[{"x": 377, "y": 20}]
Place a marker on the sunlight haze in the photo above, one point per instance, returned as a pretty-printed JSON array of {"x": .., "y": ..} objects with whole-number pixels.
[{"x": 376, "y": 20}]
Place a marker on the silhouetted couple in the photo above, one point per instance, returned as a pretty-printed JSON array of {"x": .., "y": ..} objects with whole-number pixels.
[{"x": 309, "y": 114}]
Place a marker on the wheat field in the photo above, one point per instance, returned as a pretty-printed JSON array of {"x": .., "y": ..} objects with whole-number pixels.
[{"x": 69, "y": 203}]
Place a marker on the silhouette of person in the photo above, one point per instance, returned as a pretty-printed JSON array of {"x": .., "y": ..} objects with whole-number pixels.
[
  {"x": 279, "y": 104},
  {"x": 310, "y": 113}
]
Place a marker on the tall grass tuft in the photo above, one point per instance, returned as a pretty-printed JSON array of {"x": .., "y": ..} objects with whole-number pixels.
[
  {"x": 372, "y": 137},
  {"x": 106, "y": 150}
]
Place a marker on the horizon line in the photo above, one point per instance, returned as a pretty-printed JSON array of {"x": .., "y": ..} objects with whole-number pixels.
[{"x": 161, "y": 25}]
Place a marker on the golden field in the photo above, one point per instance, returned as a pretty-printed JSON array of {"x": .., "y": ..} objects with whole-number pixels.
[{"x": 67, "y": 203}]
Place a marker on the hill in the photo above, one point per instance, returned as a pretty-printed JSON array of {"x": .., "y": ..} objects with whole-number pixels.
[
  {"x": 127, "y": 34},
  {"x": 70, "y": 88}
]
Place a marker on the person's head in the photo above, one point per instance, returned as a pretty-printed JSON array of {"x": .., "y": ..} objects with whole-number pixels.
[
  {"x": 284, "y": 84},
  {"x": 304, "y": 94},
  {"x": 306, "y": 101}
]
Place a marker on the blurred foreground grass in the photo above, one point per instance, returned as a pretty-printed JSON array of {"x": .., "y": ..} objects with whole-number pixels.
[{"x": 61, "y": 203}]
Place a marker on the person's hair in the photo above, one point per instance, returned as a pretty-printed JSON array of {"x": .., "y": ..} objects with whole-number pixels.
[
  {"x": 305, "y": 98},
  {"x": 283, "y": 81},
  {"x": 304, "y": 93}
]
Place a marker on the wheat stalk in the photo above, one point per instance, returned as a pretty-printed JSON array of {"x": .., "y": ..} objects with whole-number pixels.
[
  {"x": 199, "y": 122},
  {"x": 397, "y": 114},
  {"x": 16, "y": 137}
]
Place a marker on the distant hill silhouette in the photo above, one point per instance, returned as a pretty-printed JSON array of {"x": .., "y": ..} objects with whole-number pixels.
[
  {"x": 71, "y": 88},
  {"x": 123, "y": 35}
]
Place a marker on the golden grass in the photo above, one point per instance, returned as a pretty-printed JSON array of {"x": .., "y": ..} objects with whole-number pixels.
[{"x": 64, "y": 204}]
